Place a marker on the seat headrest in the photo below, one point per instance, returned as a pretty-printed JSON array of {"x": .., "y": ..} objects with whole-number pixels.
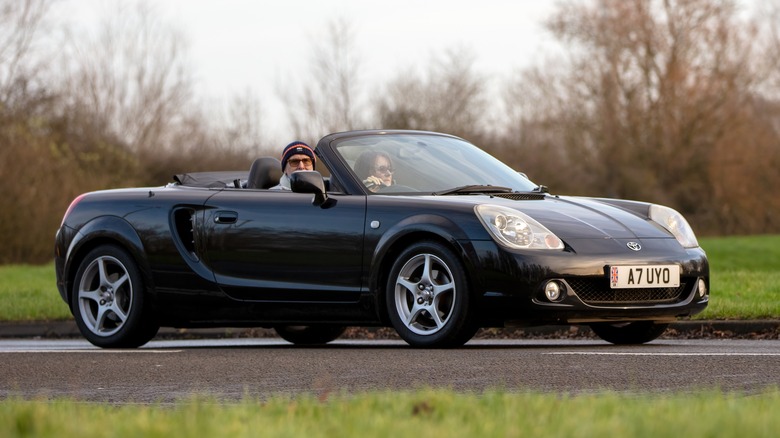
[{"x": 264, "y": 173}]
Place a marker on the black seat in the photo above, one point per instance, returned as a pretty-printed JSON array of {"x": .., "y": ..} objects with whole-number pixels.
[{"x": 264, "y": 173}]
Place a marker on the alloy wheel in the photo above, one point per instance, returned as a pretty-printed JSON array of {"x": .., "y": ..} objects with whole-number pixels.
[
  {"x": 105, "y": 296},
  {"x": 425, "y": 294}
]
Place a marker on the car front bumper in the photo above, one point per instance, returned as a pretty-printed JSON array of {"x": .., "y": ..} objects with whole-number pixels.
[{"x": 511, "y": 286}]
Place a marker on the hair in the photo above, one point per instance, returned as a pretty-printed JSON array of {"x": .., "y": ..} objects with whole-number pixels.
[{"x": 364, "y": 164}]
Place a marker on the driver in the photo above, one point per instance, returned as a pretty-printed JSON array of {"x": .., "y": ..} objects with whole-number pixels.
[
  {"x": 295, "y": 156},
  {"x": 375, "y": 169}
]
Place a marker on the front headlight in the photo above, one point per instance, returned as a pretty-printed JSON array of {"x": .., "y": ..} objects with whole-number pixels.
[
  {"x": 675, "y": 223},
  {"x": 515, "y": 229}
]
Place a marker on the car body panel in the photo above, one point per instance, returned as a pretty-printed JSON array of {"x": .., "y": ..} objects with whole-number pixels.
[{"x": 280, "y": 247}]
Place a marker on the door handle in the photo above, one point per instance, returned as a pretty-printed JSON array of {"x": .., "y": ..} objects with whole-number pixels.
[{"x": 225, "y": 217}]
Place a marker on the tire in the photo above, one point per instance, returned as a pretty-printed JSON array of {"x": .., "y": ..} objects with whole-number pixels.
[
  {"x": 638, "y": 332},
  {"x": 427, "y": 297},
  {"x": 309, "y": 334},
  {"x": 108, "y": 300}
]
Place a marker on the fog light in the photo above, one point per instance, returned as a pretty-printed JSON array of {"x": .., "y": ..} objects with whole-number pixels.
[
  {"x": 702, "y": 288},
  {"x": 552, "y": 290}
]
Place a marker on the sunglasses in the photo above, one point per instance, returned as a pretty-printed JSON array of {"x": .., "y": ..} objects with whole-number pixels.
[
  {"x": 385, "y": 169},
  {"x": 294, "y": 162}
]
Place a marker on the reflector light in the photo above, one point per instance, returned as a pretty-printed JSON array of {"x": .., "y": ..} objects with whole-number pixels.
[{"x": 702, "y": 288}]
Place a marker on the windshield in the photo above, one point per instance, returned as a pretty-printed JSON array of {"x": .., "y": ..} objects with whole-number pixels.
[{"x": 427, "y": 163}]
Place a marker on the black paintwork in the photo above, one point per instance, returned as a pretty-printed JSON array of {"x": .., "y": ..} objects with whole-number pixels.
[{"x": 231, "y": 256}]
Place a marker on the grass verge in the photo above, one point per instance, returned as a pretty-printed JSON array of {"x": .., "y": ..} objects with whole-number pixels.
[
  {"x": 29, "y": 293},
  {"x": 744, "y": 277},
  {"x": 421, "y": 413}
]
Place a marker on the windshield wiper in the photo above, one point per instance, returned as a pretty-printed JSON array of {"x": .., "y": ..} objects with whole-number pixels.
[{"x": 474, "y": 189}]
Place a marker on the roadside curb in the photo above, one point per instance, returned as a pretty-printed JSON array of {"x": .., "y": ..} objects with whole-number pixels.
[{"x": 765, "y": 329}]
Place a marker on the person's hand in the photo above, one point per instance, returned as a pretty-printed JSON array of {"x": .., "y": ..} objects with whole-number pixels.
[{"x": 372, "y": 182}]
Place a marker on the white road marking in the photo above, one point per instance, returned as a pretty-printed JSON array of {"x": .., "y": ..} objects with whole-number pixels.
[
  {"x": 618, "y": 353},
  {"x": 90, "y": 351}
]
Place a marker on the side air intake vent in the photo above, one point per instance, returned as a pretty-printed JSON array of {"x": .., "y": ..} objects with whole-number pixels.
[{"x": 184, "y": 225}]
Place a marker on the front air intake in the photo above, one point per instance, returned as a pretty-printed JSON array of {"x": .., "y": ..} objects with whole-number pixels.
[
  {"x": 520, "y": 196},
  {"x": 597, "y": 292}
]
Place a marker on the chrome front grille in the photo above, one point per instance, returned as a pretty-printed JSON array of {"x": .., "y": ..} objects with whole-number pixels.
[{"x": 597, "y": 291}]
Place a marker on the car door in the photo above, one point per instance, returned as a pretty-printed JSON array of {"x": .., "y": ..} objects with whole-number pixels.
[{"x": 274, "y": 245}]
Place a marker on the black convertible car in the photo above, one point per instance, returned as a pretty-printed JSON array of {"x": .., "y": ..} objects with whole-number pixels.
[{"x": 446, "y": 240}]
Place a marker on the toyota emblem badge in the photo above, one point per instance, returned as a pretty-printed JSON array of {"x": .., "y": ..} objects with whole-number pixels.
[{"x": 634, "y": 246}]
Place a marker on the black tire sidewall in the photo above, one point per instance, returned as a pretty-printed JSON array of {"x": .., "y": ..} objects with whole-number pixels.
[{"x": 459, "y": 327}]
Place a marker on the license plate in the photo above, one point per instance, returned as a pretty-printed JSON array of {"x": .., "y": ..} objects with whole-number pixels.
[{"x": 628, "y": 277}]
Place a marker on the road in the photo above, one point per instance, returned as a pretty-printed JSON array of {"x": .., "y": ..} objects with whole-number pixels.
[{"x": 232, "y": 369}]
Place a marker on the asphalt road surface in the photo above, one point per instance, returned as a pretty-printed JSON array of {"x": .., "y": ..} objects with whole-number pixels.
[{"x": 233, "y": 369}]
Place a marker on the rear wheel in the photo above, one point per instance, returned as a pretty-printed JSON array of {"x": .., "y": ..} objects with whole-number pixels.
[
  {"x": 309, "y": 334},
  {"x": 638, "y": 332},
  {"x": 427, "y": 297},
  {"x": 108, "y": 300}
]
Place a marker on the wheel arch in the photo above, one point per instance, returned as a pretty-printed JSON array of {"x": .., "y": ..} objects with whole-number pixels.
[
  {"x": 105, "y": 230},
  {"x": 419, "y": 228}
]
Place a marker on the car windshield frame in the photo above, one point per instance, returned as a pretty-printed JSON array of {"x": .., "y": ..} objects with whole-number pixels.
[{"x": 428, "y": 164}]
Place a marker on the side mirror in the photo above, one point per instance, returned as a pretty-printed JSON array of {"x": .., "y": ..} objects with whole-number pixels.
[{"x": 309, "y": 181}]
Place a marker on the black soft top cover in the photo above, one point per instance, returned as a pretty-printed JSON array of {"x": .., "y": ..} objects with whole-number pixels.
[{"x": 211, "y": 179}]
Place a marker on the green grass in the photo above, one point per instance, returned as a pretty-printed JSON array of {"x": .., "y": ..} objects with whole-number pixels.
[
  {"x": 745, "y": 283},
  {"x": 737, "y": 253},
  {"x": 29, "y": 293},
  {"x": 425, "y": 413},
  {"x": 744, "y": 277}
]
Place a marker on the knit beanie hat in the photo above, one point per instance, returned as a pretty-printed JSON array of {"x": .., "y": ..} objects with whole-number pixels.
[{"x": 295, "y": 148}]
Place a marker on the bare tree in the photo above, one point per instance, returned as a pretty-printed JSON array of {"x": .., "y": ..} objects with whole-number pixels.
[
  {"x": 329, "y": 99},
  {"x": 768, "y": 19},
  {"x": 241, "y": 128},
  {"x": 132, "y": 77},
  {"x": 123, "y": 116},
  {"x": 541, "y": 123},
  {"x": 24, "y": 148},
  {"x": 47, "y": 157},
  {"x": 20, "y": 25},
  {"x": 650, "y": 92},
  {"x": 450, "y": 97}
]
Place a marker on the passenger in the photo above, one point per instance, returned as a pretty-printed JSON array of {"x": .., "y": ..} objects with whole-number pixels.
[
  {"x": 295, "y": 156},
  {"x": 375, "y": 169}
]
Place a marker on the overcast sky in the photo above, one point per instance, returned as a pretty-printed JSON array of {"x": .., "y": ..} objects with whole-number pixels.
[
  {"x": 240, "y": 45},
  {"x": 239, "y": 42}
]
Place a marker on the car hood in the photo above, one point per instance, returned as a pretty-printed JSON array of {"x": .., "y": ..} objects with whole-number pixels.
[
  {"x": 576, "y": 217},
  {"x": 586, "y": 218}
]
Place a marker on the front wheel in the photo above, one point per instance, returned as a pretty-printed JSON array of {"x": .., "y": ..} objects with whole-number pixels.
[
  {"x": 108, "y": 300},
  {"x": 638, "y": 332},
  {"x": 427, "y": 297},
  {"x": 309, "y": 334}
]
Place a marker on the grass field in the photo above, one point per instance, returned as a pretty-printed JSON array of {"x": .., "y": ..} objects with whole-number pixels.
[
  {"x": 29, "y": 293},
  {"x": 744, "y": 277},
  {"x": 426, "y": 413},
  {"x": 745, "y": 283}
]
